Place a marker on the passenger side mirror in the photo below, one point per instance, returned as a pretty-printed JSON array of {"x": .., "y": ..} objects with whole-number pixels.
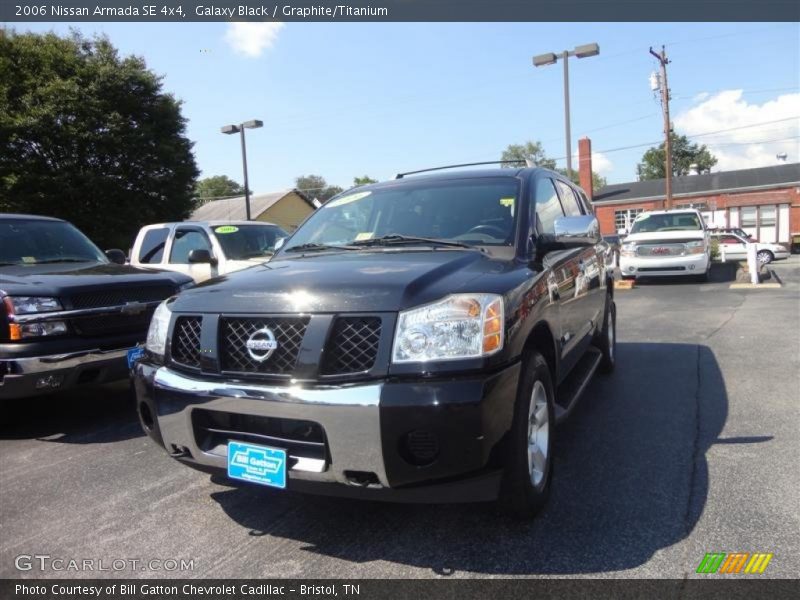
[
  {"x": 279, "y": 243},
  {"x": 116, "y": 256},
  {"x": 201, "y": 256}
]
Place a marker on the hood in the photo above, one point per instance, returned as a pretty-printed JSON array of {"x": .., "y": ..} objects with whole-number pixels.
[
  {"x": 60, "y": 279},
  {"x": 382, "y": 281},
  {"x": 666, "y": 236}
]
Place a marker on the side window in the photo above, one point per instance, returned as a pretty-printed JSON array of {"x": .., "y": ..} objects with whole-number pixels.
[
  {"x": 571, "y": 205},
  {"x": 152, "y": 249},
  {"x": 187, "y": 240},
  {"x": 548, "y": 207}
]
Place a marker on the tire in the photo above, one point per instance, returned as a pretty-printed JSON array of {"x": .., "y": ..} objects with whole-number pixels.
[
  {"x": 764, "y": 257},
  {"x": 607, "y": 340},
  {"x": 526, "y": 481}
]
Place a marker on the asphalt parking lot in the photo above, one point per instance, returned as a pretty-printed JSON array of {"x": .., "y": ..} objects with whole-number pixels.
[{"x": 690, "y": 447}]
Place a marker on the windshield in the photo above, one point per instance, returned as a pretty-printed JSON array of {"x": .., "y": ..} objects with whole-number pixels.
[
  {"x": 240, "y": 242},
  {"x": 477, "y": 212},
  {"x": 30, "y": 242},
  {"x": 667, "y": 222}
]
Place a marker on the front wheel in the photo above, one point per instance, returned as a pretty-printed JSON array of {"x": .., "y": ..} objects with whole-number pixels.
[{"x": 526, "y": 481}]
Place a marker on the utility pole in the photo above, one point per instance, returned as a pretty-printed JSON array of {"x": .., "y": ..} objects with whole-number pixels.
[{"x": 663, "y": 61}]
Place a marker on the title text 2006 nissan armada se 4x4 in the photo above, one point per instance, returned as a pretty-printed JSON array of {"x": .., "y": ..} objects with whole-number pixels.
[{"x": 414, "y": 340}]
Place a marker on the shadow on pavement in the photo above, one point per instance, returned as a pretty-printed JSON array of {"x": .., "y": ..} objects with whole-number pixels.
[
  {"x": 86, "y": 415},
  {"x": 630, "y": 479}
]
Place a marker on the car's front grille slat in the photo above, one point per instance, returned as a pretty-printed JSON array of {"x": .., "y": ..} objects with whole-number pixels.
[
  {"x": 119, "y": 296},
  {"x": 234, "y": 333},
  {"x": 353, "y": 345},
  {"x": 185, "y": 348}
]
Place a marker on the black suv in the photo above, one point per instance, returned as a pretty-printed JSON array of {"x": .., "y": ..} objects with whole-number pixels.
[
  {"x": 414, "y": 340},
  {"x": 68, "y": 314}
]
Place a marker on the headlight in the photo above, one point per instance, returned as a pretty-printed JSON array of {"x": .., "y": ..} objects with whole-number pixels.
[
  {"x": 157, "y": 334},
  {"x": 458, "y": 326},
  {"x": 628, "y": 249},
  {"x": 698, "y": 247},
  {"x": 25, "y": 305}
]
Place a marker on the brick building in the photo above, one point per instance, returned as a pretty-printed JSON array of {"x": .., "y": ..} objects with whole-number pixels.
[{"x": 764, "y": 201}]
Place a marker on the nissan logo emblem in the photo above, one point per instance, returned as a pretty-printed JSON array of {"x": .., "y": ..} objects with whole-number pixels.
[{"x": 261, "y": 344}]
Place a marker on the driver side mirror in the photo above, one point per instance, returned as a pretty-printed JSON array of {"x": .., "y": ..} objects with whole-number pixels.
[
  {"x": 279, "y": 243},
  {"x": 116, "y": 256},
  {"x": 571, "y": 232},
  {"x": 201, "y": 256}
]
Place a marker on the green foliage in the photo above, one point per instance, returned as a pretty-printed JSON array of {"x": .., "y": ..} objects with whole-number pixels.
[
  {"x": 715, "y": 254},
  {"x": 90, "y": 137},
  {"x": 684, "y": 154},
  {"x": 315, "y": 186},
  {"x": 365, "y": 180},
  {"x": 535, "y": 152},
  {"x": 218, "y": 186}
]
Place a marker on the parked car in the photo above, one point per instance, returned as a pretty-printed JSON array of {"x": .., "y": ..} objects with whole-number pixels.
[
  {"x": 68, "y": 314},
  {"x": 413, "y": 340},
  {"x": 614, "y": 244},
  {"x": 666, "y": 243},
  {"x": 205, "y": 249},
  {"x": 734, "y": 230},
  {"x": 735, "y": 248}
]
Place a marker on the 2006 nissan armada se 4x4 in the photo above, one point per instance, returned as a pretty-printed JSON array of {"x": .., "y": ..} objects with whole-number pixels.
[{"x": 414, "y": 340}]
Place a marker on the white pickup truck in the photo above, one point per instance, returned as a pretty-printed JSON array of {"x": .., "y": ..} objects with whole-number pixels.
[
  {"x": 205, "y": 249},
  {"x": 666, "y": 243}
]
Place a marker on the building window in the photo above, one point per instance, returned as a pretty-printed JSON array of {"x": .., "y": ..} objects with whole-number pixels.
[
  {"x": 623, "y": 219},
  {"x": 747, "y": 214},
  {"x": 767, "y": 216},
  {"x": 695, "y": 205}
]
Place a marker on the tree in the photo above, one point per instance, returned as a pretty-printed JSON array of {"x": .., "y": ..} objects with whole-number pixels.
[
  {"x": 315, "y": 186},
  {"x": 90, "y": 137},
  {"x": 534, "y": 151},
  {"x": 218, "y": 186},
  {"x": 529, "y": 150},
  {"x": 365, "y": 180},
  {"x": 684, "y": 154}
]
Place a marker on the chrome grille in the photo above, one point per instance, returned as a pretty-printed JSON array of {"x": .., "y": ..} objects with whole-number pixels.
[
  {"x": 235, "y": 331},
  {"x": 353, "y": 345},
  {"x": 185, "y": 348},
  {"x": 656, "y": 250}
]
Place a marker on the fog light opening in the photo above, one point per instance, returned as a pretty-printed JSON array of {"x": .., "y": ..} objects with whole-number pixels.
[
  {"x": 419, "y": 447},
  {"x": 146, "y": 417},
  {"x": 691, "y": 267},
  {"x": 631, "y": 269},
  {"x": 361, "y": 478}
]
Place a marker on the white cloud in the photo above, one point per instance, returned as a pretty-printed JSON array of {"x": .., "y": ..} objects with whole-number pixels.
[
  {"x": 746, "y": 147},
  {"x": 251, "y": 39},
  {"x": 601, "y": 164}
]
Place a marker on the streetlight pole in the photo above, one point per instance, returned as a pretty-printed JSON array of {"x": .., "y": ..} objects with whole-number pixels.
[
  {"x": 550, "y": 58},
  {"x": 230, "y": 129}
]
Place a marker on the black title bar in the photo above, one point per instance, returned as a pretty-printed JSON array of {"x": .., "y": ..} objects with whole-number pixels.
[{"x": 398, "y": 10}]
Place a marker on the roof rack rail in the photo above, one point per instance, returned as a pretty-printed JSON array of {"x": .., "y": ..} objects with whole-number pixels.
[{"x": 528, "y": 163}]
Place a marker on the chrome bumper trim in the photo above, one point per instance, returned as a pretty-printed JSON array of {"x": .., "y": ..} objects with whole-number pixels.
[
  {"x": 349, "y": 415},
  {"x": 46, "y": 364}
]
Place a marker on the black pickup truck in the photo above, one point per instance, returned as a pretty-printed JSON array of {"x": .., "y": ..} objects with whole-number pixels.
[
  {"x": 68, "y": 314},
  {"x": 414, "y": 340}
]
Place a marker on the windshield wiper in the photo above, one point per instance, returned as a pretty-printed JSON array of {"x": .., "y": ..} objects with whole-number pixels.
[
  {"x": 312, "y": 247},
  {"x": 396, "y": 239},
  {"x": 255, "y": 255},
  {"x": 62, "y": 260}
]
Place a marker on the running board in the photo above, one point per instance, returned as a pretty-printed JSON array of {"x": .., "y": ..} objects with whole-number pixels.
[{"x": 572, "y": 387}]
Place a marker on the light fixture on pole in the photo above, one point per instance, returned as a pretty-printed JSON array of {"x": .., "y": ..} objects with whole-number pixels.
[
  {"x": 551, "y": 58},
  {"x": 231, "y": 129}
]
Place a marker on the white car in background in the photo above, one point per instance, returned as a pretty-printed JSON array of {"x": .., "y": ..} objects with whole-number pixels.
[
  {"x": 205, "y": 249},
  {"x": 735, "y": 248},
  {"x": 666, "y": 243}
]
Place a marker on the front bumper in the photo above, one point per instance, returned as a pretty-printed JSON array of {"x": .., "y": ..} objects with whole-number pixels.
[
  {"x": 669, "y": 266},
  {"x": 31, "y": 376},
  {"x": 365, "y": 428}
]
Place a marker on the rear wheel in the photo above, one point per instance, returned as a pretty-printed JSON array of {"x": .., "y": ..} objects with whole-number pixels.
[
  {"x": 764, "y": 257},
  {"x": 526, "y": 481}
]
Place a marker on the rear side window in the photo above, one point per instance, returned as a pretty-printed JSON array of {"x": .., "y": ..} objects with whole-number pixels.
[
  {"x": 152, "y": 250},
  {"x": 548, "y": 207},
  {"x": 185, "y": 241},
  {"x": 571, "y": 205}
]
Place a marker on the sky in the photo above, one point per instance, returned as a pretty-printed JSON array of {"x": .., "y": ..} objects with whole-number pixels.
[{"x": 349, "y": 99}]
